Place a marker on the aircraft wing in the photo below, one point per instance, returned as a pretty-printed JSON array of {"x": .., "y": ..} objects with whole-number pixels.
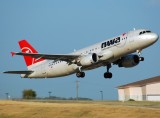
[
  {"x": 19, "y": 72},
  {"x": 68, "y": 57}
]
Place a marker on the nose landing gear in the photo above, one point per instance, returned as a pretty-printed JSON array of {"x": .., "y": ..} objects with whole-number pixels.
[
  {"x": 139, "y": 54},
  {"x": 141, "y": 58}
]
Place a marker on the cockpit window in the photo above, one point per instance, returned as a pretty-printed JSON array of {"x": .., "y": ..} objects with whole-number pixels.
[
  {"x": 148, "y": 31},
  {"x": 143, "y": 32}
]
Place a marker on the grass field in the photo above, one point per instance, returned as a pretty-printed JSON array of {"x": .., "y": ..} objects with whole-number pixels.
[{"x": 78, "y": 109}]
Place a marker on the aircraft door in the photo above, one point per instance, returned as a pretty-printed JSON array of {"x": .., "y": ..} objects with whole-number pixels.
[
  {"x": 131, "y": 38},
  {"x": 44, "y": 71},
  {"x": 130, "y": 41}
]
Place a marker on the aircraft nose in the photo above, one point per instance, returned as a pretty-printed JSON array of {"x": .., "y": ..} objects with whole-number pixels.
[{"x": 154, "y": 37}]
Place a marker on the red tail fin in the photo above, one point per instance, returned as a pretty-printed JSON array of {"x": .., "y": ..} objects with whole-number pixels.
[{"x": 27, "y": 48}]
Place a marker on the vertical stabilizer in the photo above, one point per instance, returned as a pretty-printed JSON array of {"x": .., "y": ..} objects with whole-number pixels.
[{"x": 27, "y": 48}]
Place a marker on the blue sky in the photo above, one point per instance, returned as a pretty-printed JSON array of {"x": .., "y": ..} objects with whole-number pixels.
[{"x": 60, "y": 26}]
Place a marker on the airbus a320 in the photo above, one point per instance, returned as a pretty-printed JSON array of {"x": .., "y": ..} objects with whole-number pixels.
[{"x": 119, "y": 51}]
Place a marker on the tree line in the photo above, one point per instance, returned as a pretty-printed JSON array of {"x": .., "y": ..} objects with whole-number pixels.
[{"x": 31, "y": 94}]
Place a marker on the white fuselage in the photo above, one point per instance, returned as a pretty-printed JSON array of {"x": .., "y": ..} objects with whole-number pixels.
[{"x": 120, "y": 46}]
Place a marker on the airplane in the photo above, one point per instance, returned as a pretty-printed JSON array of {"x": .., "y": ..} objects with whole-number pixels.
[{"x": 123, "y": 50}]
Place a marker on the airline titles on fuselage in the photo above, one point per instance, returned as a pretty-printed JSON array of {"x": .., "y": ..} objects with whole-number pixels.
[{"x": 111, "y": 42}]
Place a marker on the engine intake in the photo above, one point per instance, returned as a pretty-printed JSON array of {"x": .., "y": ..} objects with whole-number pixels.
[
  {"x": 88, "y": 60},
  {"x": 129, "y": 61}
]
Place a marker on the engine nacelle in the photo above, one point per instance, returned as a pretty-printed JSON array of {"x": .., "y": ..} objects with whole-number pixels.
[
  {"x": 88, "y": 60},
  {"x": 129, "y": 61}
]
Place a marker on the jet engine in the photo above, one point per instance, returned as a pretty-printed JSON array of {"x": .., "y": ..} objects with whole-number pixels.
[
  {"x": 88, "y": 60},
  {"x": 129, "y": 61}
]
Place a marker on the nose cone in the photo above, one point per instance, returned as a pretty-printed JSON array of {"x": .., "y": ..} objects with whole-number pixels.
[
  {"x": 154, "y": 37},
  {"x": 147, "y": 39},
  {"x": 150, "y": 38}
]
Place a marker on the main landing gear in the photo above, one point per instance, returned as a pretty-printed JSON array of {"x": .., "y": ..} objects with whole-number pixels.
[
  {"x": 108, "y": 74},
  {"x": 80, "y": 74}
]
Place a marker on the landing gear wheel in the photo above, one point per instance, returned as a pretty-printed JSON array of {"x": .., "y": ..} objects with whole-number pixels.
[
  {"x": 139, "y": 54},
  {"x": 108, "y": 75},
  {"x": 141, "y": 58},
  {"x": 80, "y": 74}
]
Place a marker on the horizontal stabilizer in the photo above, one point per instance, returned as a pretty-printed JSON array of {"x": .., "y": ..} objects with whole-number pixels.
[
  {"x": 19, "y": 72},
  {"x": 12, "y": 53}
]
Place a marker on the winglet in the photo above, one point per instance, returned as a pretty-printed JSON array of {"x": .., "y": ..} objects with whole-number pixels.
[{"x": 12, "y": 53}]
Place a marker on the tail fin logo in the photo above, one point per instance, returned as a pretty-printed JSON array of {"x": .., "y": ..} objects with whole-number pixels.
[{"x": 27, "y": 48}]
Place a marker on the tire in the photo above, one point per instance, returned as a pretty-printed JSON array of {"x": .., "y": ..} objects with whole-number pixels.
[
  {"x": 108, "y": 75},
  {"x": 80, "y": 74}
]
